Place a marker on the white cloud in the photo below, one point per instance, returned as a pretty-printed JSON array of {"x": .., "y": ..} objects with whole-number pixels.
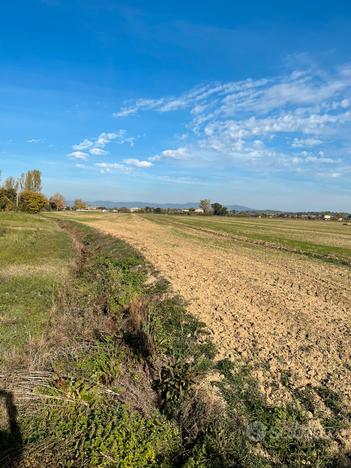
[
  {"x": 79, "y": 155},
  {"x": 137, "y": 162},
  {"x": 97, "y": 151},
  {"x": 107, "y": 167},
  {"x": 332, "y": 175},
  {"x": 140, "y": 104},
  {"x": 34, "y": 140},
  {"x": 105, "y": 138},
  {"x": 85, "y": 144},
  {"x": 261, "y": 123},
  {"x": 303, "y": 142},
  {"x": 179, "y": 153},
  {"x": 96, "y": 146}
]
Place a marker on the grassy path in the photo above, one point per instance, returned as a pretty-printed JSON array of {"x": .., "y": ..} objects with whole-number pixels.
[{"x": 35, "y": 256}]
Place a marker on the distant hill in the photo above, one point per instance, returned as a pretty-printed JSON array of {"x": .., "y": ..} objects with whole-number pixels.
[{"x": 139, "y": 204}]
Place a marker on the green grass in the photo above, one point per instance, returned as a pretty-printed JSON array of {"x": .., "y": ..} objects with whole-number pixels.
[
  {"x": 326, "y": 241},
  {"x": 35, "y": 256}
]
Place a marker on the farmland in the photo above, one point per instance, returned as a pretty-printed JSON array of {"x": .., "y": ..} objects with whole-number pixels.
[
  {"x": 92, "y": 310},
  {"x": 285, "y": 312}
]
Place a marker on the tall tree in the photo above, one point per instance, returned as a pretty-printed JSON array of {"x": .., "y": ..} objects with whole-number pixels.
[{"x": 32, "y": 181}]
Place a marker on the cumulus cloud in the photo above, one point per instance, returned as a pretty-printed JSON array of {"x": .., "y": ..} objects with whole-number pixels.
[
  {"x": 137, "y": 162},
  {"x": 97, "y": 151},
  {"x": 107, "y": 167},
  {"x": 34, "y": 140},
  {"x": 179, "y": 153},
  {"x": 105, "y": 138},
  {"x": 79, "y": 155},
  {"x": 303, "y": 142},
  {"x": 85, "y": 144},
  {"x": 95, "y": 146}
]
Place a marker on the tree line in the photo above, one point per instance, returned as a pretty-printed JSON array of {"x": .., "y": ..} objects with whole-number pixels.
[{"x": 25, "y": 194}]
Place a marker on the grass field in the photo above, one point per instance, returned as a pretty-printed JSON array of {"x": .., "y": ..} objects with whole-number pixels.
[
  {"x": 35, "y": 256},
  {"x": 330, "y": 241}
]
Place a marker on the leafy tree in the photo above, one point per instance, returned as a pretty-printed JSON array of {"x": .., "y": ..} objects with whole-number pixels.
[
  {"x": 79, "y": 204},
  {"x": 206, "y": 206},
  {"x": 32, "y": 181},
  {"x": 32, "y": 202},
  {"x": 219, "y": 210},
  {"x": 57, "y": 202}
]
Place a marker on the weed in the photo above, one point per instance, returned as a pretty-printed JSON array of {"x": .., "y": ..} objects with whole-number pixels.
[
  {"x": 173, "y": 384},
  {"x": 92, "y": 428}
]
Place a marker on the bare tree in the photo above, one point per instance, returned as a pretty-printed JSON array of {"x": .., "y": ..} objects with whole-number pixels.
[
  {"x": 10, "y": 184},
  {"x": 57, "y": 202},
  {"x": 206, "y": 206}
]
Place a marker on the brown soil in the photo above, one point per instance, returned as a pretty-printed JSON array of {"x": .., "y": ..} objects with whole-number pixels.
[{"x": 287, "y": 316}]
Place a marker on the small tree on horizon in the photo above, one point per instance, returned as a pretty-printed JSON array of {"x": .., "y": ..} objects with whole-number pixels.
[
  {"x": 206, "y": 206},
  {"x": 79, "y": 204},
  {"x": 219, "y": 210},
  {"x": 57, "y": 202}
]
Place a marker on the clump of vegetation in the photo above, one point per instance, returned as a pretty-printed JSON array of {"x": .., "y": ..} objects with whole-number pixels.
[
  {"x": 91, "y": 427},
  {"x": 32, "y": 202}
]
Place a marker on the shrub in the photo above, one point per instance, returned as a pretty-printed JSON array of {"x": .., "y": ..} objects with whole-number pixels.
[
  {"x": 7, "y": 199},
  {"x": 32, "y": 202}
]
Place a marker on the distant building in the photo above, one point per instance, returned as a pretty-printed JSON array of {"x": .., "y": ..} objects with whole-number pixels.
[
  {"x": 134, "y": 210},
  {"x": 327, "y": 217},
  {"x": 199, "y": 211}
]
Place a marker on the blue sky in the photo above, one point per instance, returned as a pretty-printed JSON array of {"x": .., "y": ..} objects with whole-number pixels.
[{"x": 173, "y": 101}]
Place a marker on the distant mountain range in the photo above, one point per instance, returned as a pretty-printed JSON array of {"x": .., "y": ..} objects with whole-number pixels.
[{"x": 139, "y": 204}]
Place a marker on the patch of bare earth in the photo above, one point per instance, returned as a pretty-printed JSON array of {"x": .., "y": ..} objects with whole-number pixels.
[{"x": 284, "y": 315}]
